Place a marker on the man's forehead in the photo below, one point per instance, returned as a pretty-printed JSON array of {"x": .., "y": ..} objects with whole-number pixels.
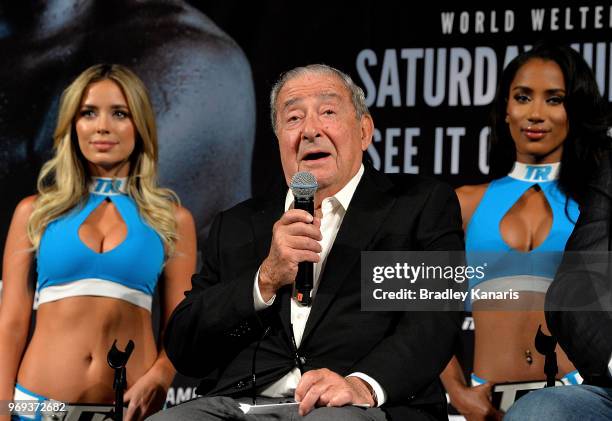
[
  {"x": 322, "y": 87},
  {"x": 322, "y": 96}
]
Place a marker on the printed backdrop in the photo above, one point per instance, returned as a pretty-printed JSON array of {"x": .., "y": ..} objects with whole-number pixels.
[{"x": 429, "y": 73}]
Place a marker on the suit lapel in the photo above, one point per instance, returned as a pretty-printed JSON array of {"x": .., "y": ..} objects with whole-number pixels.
[{"x": 367, "y": 211}]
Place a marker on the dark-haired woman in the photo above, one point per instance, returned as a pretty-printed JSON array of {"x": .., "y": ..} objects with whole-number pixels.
[{"x": 548, "y": 124}]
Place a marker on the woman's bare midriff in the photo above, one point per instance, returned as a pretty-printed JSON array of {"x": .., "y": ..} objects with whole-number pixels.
[
  {"x": 505, "y": 343},
  {"x": 66, "y": 359}
]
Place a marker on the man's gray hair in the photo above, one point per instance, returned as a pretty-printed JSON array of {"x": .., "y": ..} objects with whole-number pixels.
[{"x": 357, "y": 95}]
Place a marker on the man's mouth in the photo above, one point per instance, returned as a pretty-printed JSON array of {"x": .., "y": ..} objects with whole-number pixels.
[{"x": 315, "y": 155}]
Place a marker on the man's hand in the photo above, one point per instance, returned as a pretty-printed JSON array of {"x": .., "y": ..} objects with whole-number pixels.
[
  {"x": 295, "y": 239},
  {"x": 474, "y": 403},
  {"x": 323, "y": 387}
]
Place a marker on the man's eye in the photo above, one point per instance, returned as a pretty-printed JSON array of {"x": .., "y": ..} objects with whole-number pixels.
[
  {"x": 292, "y": 118},
  {"x": 329, "y": 112}
]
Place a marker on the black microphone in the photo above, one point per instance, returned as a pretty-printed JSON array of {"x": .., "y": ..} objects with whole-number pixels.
[{"x": 303, "y": 186}]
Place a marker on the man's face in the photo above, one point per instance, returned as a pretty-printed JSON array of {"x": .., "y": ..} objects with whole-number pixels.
[{"x": 318, "y": 131}]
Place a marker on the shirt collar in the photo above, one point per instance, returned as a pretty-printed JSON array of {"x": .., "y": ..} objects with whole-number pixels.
[{"x": 343, "y": 197}]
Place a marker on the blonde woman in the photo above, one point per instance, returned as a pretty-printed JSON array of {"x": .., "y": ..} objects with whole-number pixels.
[{"x": 102, "y": 233}]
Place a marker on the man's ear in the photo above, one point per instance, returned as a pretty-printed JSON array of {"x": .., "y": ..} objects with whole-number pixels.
[{"x": 367, "y": 129}]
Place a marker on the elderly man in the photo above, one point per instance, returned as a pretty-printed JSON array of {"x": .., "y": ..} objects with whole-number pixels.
[{"x": 241, "y": 329}]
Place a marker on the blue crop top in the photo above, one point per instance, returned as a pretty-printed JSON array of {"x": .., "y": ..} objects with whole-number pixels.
[
  {"x": 508, "y": 268},
  {"x": 67, "y": 267}
]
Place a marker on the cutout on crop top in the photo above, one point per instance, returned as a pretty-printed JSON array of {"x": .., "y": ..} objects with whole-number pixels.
[
  {"x": 514, "y": 225},
  {"x": 102, "y": 227}
]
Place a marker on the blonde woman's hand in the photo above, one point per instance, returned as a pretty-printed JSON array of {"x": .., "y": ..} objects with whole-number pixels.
[{"x": 146, "y": 396}]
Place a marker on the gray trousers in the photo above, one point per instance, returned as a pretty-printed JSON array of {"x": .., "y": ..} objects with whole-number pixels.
[{"x": 224, "y": 408}]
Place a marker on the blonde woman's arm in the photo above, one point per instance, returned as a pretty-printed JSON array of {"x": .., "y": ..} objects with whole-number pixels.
[{"x": 16, "y": 299}]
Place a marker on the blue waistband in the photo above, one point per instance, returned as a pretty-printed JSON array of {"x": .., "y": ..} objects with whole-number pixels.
[
  {"x": 27, "y": 395},
  {"x": 33, "y": 395},
  {"x": 571, "y": 378},
  {"x": 477, "y": 381}
]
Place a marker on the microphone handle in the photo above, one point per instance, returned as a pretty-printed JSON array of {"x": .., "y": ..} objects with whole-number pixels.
[{"x": 304, "y": 277}]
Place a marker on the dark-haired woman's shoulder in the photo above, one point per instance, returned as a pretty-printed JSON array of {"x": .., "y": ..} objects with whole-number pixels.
[{"x": 469, "y": 198}]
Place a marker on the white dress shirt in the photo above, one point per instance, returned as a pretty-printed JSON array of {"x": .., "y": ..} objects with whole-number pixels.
[{"x": 333, "y": 210}]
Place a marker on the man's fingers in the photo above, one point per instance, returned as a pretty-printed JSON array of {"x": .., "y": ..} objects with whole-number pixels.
[
  {"x": 292, "y": 257},
  {"x": 313, "y": 396},
  {"x": 303, "y": 243},
  {"x": 296, "y": 215},
  {"x": 301, "y": 229},
  {"x": 299, "y": 222},
  {"x": 336, "y": 397},
  {"x": 308, "y": 379},
  {"x": 307, "y": 256},
  {"x": 322, "y": 388}
]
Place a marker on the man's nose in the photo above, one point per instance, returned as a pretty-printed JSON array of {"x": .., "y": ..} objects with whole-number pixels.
[{"x": 311, "y": 128}]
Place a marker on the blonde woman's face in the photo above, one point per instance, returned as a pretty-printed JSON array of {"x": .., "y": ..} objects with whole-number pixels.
[{"x": 105, "y": 129}]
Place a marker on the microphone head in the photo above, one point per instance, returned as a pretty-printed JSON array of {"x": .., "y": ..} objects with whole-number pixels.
[{"x": 303, "y": 184}]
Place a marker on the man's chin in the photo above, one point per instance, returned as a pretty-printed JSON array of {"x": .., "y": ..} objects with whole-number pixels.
[{"x": 319, "y": 170}]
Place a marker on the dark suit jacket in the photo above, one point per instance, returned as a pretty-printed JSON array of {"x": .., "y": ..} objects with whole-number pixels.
[
  {"x": 215, "y": 329},
  {"x": 582, "y": 286}
]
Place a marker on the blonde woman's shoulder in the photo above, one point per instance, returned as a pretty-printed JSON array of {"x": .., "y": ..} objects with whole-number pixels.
[
  {"x": 25, "y": 207},
  {"x": 17, "y": 236},
  {"x": 185, "y": 226},
  {"x": 182, "y": 215},
  {"x": 185, "y": 246}
]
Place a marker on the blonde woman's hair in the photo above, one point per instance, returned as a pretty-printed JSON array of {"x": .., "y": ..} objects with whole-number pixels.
[{"x": 63, "y": 180}]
